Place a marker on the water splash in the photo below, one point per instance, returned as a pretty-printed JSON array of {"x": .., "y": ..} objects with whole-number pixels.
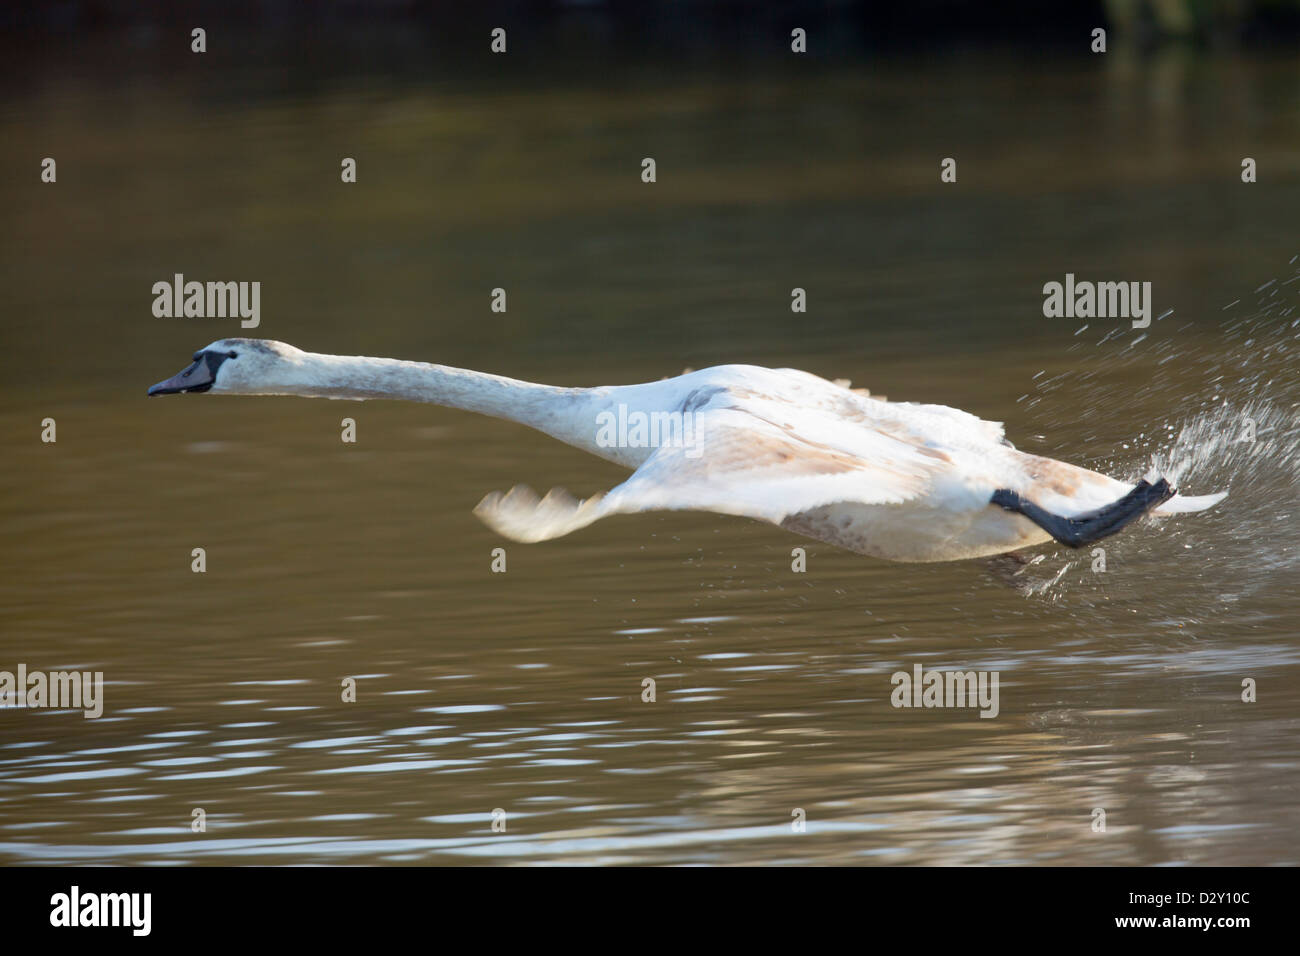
[{"x": 1238, "y": 430}]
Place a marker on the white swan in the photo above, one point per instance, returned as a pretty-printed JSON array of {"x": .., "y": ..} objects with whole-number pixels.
[{"x": 895, "y": 480}]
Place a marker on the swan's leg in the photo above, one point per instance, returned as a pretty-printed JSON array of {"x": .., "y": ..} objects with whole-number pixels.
[{"x": 1076, "y": 532}]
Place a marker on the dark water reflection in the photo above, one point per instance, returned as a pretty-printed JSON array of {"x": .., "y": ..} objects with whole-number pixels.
[{"x": 522, "y": 691}]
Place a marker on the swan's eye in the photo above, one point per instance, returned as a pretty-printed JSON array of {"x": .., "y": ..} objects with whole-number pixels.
[{"x": 232, "y": 355}]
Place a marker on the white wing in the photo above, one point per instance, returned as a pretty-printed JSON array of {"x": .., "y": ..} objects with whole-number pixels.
[{"x": 741, "y": 464}]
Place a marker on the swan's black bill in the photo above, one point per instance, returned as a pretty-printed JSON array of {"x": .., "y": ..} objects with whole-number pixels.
[
  {"x": 197, "y": 378},
  {"x": 1076, "y": 532}
]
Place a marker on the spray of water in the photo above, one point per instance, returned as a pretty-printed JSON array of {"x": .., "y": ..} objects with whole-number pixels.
[{"x": 1235, "y": 426}]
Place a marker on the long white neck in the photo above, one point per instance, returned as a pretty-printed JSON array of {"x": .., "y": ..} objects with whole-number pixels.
[{"x": 563, "y": 413}]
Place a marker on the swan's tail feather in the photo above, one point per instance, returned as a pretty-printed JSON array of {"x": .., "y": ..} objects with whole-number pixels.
[
  {"x": 1184, "y": 504},
  {"x": 521, "y": 516}
]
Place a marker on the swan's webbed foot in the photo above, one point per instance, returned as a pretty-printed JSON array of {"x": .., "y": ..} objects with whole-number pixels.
[{"x": 1077, "y": 532}]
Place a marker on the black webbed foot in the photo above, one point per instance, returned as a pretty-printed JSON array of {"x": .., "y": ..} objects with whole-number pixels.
[{"x": 1085, "y": 529}]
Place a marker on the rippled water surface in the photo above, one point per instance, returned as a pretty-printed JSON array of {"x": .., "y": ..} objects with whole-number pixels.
[{"x": 522, "y": 691}]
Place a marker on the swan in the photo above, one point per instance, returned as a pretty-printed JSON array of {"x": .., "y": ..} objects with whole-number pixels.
[{"x": 895, "y": 480}]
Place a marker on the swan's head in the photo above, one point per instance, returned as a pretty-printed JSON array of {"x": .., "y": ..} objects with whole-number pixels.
[{"x": 235, "y": 367}]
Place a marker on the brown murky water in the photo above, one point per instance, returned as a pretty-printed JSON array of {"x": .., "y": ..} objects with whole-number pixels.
[{"x": 522, "y": 691}]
